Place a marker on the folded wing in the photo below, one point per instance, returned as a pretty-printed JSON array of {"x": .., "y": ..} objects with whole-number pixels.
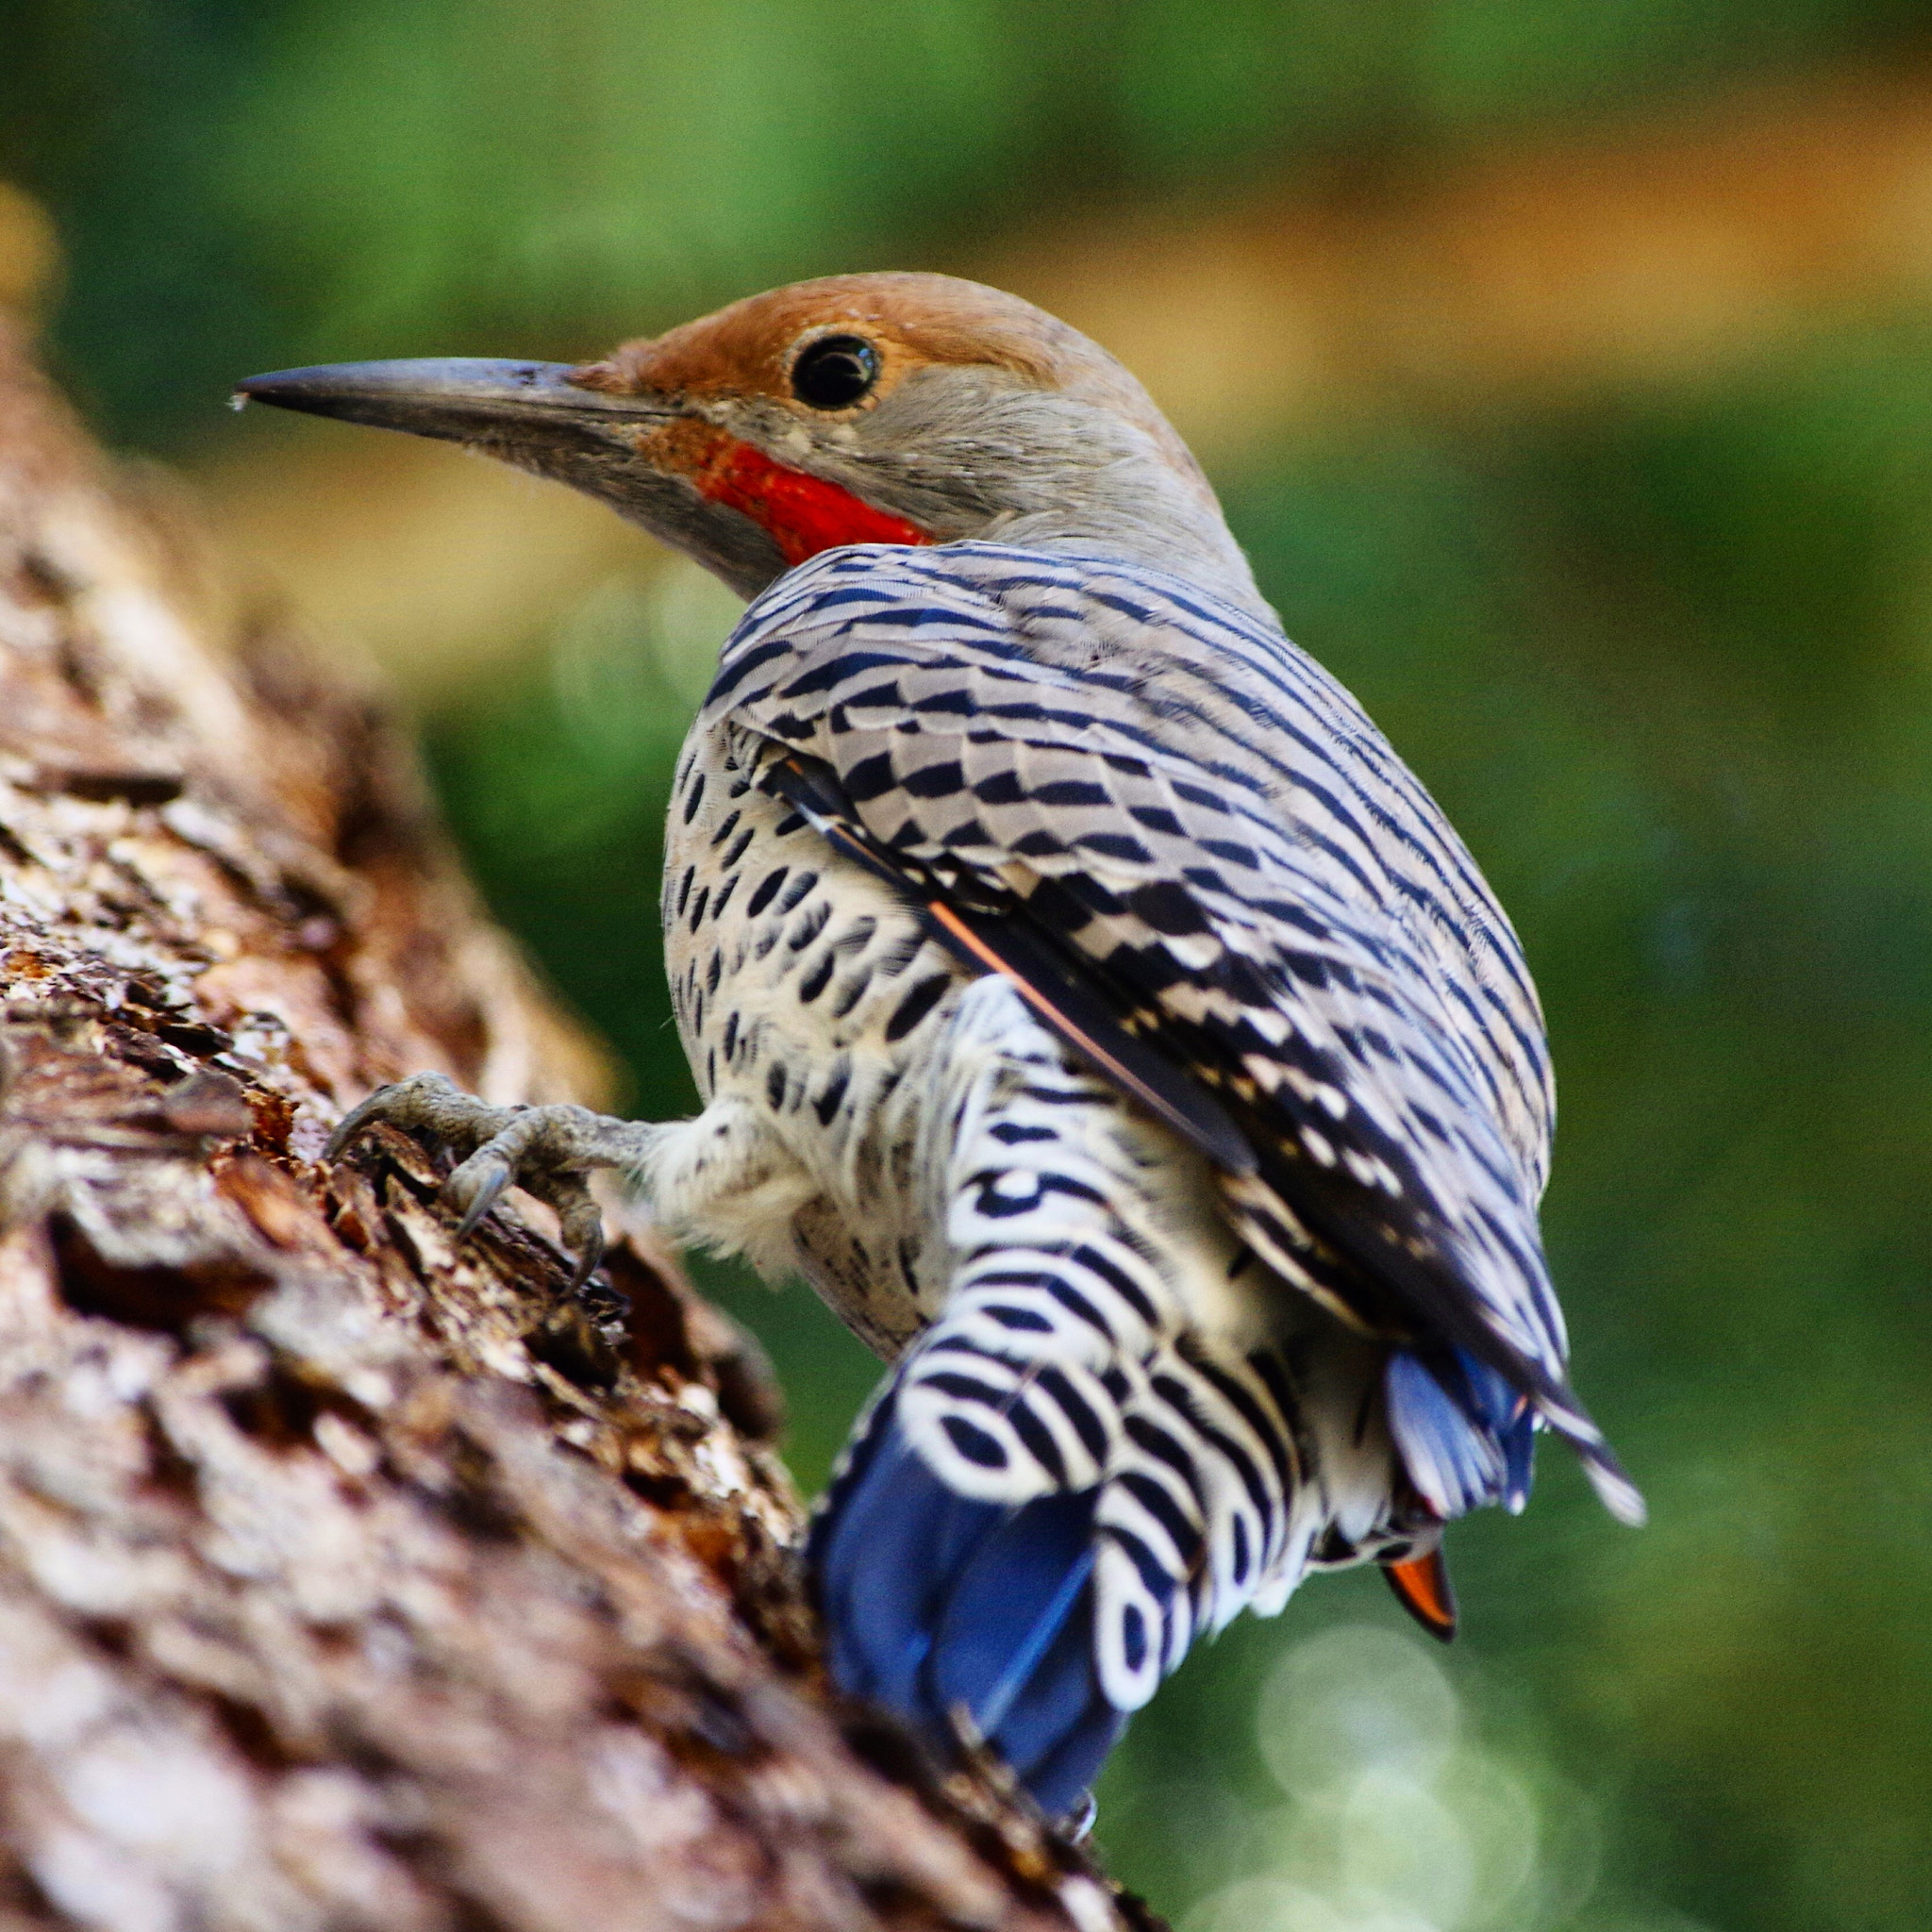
[{"x": 1205, "y": 866}]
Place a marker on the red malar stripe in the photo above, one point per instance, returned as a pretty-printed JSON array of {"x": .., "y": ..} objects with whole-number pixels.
[{"x": 804, "y": 514}]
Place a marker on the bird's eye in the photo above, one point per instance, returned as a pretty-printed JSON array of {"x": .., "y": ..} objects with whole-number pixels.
[{"x": 835, "y": 372}]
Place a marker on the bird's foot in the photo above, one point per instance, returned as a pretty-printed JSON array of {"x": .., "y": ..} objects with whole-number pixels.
[{"x": 547, "y": 1151}]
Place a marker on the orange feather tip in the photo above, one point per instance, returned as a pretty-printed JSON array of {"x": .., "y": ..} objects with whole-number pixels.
[{"x": 1422, "y": 1589}]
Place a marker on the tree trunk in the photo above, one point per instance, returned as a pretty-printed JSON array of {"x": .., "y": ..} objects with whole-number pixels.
[{"x": 351, "y": 1576}]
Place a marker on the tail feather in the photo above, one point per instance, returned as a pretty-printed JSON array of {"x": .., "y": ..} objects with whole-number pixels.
[
  {"x": 1046, "y": 1614},
  {"x": 1016, "y": 1650},
  {"x": 883, "y": 1553},
  {"x": 1118, "y": 1434},
  {"x": 938, "y": 1605}
]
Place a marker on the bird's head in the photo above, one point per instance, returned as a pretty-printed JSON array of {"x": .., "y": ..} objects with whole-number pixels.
[{"x": 877, "y": 408}]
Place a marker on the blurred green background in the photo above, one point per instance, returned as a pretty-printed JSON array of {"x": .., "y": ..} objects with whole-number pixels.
[{"x": 1567, "y": 369}]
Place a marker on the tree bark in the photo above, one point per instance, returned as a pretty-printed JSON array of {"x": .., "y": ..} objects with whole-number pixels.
[{"x": 349, "y": 1575}]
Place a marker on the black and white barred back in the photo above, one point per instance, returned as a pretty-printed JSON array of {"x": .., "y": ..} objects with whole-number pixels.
[{"x": 1090, "y": 1002}]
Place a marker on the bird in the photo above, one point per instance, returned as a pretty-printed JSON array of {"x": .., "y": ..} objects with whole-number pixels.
[{"x": 1084, "y": 998}]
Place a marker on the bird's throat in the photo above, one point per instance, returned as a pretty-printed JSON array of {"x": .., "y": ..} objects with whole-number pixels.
[{"x": 803, "y": 514}]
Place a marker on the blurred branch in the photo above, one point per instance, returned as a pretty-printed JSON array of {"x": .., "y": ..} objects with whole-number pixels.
[
  {"x": 350, "y": 1576},
  {"x": 1664, "y": 251}
]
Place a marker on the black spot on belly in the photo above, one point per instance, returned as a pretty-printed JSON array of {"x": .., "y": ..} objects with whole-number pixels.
[
  {"x": 811, "y": 921},
  {"x": 767, "y": 891},
  {"x": 852, "y": 993},
  {"x": 693, "y": 797},
  {"x": 774, "y": 1086},
  {"x": 817, "y": 979},
  {"x": 900, "y": 955},
  {"x": 796, "y": 890},
  {"x": 833, "y": 1097},
  {"x": 917, "y": 1004}
]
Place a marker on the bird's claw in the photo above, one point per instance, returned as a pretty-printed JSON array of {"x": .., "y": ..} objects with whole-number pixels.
[
  {"x": 476, "y": 1186},
  {"x": 403, "y": 1104},
  {"x": 547, "y": 1151}
]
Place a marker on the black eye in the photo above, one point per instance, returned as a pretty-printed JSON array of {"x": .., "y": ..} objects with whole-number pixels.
[{"x": 834, "y": 372}]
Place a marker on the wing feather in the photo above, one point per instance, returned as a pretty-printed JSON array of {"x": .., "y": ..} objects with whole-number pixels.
[{"x": 1205, "y": 865}]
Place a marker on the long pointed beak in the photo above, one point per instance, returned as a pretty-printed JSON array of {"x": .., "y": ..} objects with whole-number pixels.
[
  {"x": 533, "y": 414},
  {"x": 527, "y": 405}
]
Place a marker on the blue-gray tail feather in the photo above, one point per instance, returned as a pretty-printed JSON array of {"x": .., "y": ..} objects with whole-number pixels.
[
  {"x": 1466, "y": 1436},
  {"x": 935, "y": 1604},
  {"x": 932, "y": 1602}
]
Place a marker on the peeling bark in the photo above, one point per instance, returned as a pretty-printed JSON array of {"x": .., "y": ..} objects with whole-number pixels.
[{"x": 348, "y": 1576}]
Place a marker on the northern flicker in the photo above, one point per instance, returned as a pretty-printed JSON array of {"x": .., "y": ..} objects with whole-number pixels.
[{"x": 1084, "y": 997}]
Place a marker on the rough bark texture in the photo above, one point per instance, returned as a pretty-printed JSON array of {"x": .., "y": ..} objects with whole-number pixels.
[{"x": 349, "y": 1577}]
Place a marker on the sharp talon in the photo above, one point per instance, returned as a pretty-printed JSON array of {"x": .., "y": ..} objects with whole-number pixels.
[
  {"x": 581, "y": 1225},
  {"x": 476, "y": 1186},
  {"x": 546, "y": 1149},
  {"x": 397, "y": 1101},
  {"x": 350, "y": 1126},
  {"x": 473, "y": 1216},
  {"x": 588, "y": 1257}
]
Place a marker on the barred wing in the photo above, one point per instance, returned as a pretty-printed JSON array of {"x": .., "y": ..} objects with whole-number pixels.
[{"x": 1174, "y": 828}]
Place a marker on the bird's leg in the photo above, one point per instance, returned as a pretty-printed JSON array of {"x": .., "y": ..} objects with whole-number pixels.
[{"x": 547, "y": 1151}]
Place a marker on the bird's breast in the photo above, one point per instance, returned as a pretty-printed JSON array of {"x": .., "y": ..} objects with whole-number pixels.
[{"x": 802, "y": 983}]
